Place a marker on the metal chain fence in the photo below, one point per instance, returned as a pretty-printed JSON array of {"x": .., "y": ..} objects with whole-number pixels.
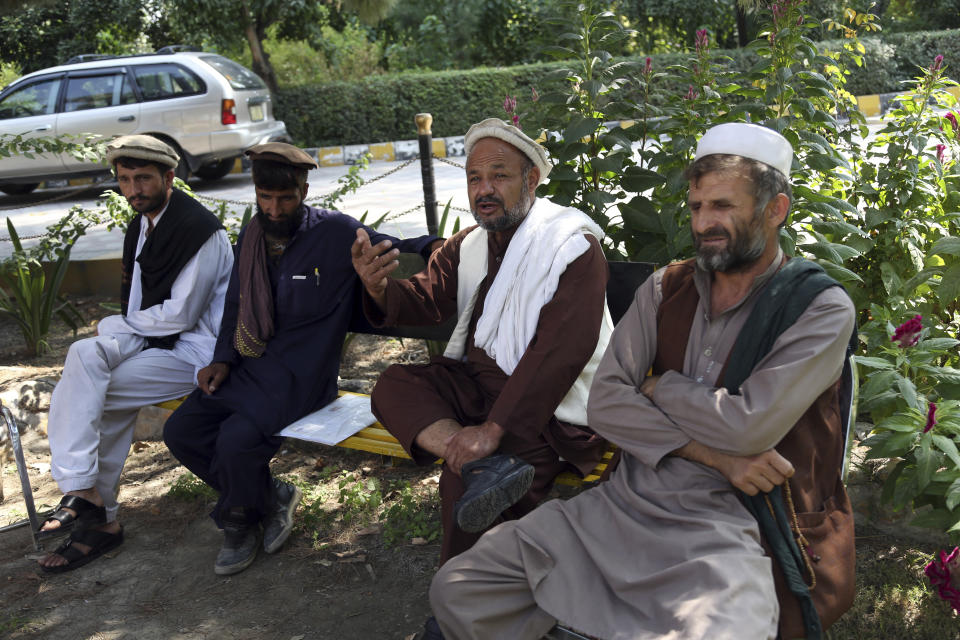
[{"x": 245, "y": 203}]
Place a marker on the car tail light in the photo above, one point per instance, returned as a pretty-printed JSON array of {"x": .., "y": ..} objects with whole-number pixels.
[{"x": 228, "y": 112}]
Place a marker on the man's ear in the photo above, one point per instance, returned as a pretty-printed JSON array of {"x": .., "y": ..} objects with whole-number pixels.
[
  {"x": 168, "y": 179},
  {"x": 533, "y": 179},
  {"x": 303, "y": 192},
  {"x": 777, "y": 209}
]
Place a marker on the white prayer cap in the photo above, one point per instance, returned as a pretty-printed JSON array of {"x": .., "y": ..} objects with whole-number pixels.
[
  {"x": 497, "y": 128},
  {"x": 749, "y": 141}
]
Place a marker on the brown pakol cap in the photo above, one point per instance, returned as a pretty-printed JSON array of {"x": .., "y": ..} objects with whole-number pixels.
[
  {"x": 283, "y": 153},
  {"x": 142, "y": 147}
]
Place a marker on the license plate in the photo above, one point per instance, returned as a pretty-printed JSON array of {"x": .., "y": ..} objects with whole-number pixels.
[{"x": 256, "y": 112}]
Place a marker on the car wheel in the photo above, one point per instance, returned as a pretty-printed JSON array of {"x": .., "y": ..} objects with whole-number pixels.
[
  {"x": 216, "y": 170},
  {"x": 18, "y": 189}
]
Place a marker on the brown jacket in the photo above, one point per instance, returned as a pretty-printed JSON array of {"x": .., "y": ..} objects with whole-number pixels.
[{"x": 815, "y": 448}]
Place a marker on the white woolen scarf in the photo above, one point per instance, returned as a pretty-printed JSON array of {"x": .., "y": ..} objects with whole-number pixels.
[{"x": 544, "y": 245}]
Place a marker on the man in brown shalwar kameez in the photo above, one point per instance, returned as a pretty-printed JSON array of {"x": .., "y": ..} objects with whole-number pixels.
[
  {"x": 666, "y": 549},
  {"x": 505, "y": 405}
]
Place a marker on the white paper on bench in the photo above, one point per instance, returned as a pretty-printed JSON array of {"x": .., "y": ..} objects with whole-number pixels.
[{"x": 333, "y": 423}]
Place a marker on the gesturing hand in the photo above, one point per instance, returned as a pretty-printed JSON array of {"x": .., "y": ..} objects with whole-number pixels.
[
  {"x": 210, "y": 377},
  {"x": 373, "y": 264}
]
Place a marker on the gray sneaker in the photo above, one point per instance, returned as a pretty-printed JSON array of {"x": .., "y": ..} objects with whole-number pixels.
[
  {"x": 240, "y": 543},
  {"x": 279, "y": 522}
]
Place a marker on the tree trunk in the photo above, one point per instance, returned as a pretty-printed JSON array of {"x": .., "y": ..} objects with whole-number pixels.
[
  {"x": 742, "y": 35},
  {"x": 261, "y": 62}
]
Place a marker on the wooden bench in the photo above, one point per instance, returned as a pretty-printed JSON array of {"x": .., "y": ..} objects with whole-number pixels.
[{"x": 625, "y": 277}]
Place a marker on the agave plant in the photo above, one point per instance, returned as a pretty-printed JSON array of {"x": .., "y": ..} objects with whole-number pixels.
[{"x": 31, "y": 296}]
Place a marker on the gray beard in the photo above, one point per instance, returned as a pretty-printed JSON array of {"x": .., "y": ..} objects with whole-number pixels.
[
  {"x": 747, "y": 249},
  {"x": 510, "y": 218}
]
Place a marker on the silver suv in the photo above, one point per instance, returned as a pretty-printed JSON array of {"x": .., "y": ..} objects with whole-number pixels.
[{"x": 209, "y": 108}]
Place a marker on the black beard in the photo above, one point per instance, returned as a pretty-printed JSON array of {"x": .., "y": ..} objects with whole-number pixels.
[{"x": 283, "y": 228}]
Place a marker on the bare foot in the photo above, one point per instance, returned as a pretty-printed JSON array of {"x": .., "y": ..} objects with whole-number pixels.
[
  {"x": 56, "y": 560},
  {"x": 91, "y": 495}
]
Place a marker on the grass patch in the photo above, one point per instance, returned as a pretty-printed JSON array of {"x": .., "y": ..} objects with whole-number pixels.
[
  {"x": 13, "y": 623},
  {"x": 894, "y": 598},
  {"x": 189, "y": 487},
  {"x": 410, "y": 514}
]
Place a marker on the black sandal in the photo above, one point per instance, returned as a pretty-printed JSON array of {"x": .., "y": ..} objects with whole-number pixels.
[
  {"x": 100, "y": 542},
  {"x": 88, "y": 515},
  {"x": 492, "y": 485}
]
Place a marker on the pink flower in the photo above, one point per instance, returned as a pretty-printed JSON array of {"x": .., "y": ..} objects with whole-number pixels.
[
  {"x": 937, "y": 63},
  {"x": 509, "y": 104},
  {"x": 952, "y": 117},
  {"x": 534, "y": 96},
  {"x": 691, "y": 94},
  {"x": 944, "y": 576},
  {"x": 940, "y": 150},
  {"x": 702, "y": 40},
  {"x": 648, "y": 67},
  {"x": 908, "y": 333},
  {"x": 516, "y": 121},
  {"x": 931, "y": 416}
]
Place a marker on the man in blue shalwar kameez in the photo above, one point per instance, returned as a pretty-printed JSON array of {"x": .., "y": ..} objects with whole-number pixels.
[{"x": 289, "y": 304}]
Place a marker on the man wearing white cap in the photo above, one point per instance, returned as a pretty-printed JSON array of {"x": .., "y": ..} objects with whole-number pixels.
[
  {"x": 505, "y": 407},
  {"x": 176, "y": 265},
  {"x": 722, "y": 376}
]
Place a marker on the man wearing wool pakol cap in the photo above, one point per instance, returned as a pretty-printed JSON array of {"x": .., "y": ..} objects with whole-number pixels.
[
  {"x": 176, "y": 264},
  {"x": 288, "y": 308},
  {"x": 721, "y": 383},
  {"x": 505, "y": 406}
]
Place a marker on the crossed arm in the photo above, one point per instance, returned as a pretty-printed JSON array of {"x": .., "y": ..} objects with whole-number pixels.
[{"x": 653, "y": 417}]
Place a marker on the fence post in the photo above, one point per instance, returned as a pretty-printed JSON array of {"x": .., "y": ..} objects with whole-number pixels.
[{"x": 424, "y": 120}]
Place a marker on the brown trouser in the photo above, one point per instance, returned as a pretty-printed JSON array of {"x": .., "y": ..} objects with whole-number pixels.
[{"x": 408, "y": 398}]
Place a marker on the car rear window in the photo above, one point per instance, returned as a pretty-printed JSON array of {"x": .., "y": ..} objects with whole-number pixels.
[
  {"x": 237, "y": 75},
  {"x": 92, "y": 92},
  {"x": 159, "y": 81}
]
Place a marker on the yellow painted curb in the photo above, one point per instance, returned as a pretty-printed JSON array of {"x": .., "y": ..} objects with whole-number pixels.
[
  {"x": 237, "y": 166},
  {"x": 330, "y": 156},
  {"x": 439, "y": 147},
  {"x": 382, "y": 151},
  {"x": 869, "y": 105},
  {"x": 76, "y": 182}
]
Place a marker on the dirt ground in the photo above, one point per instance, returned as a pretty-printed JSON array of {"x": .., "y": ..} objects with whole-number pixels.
[
  {"x": 357, "y": 566},
  {"x": 337, "y": 576}
]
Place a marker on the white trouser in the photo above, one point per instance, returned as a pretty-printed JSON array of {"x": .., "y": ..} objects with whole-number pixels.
[{"x": 106, "y": 379}]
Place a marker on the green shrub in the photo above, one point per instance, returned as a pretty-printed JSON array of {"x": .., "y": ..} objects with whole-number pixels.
[{"x": 381, "y": 108}]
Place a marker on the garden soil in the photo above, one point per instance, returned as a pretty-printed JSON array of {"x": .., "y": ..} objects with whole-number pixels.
[{"x": 333, "y": 578}]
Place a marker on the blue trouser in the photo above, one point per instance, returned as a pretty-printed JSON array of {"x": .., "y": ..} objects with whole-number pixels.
[{"x": 226, "y": 450}]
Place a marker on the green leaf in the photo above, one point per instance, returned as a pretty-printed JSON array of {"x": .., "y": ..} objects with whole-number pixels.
[
  {"x": 949, "y": 447},
  {"x": 889, "y": 444},
  {"x": 928, "y": 461},
  {"x": 949, "y": 289},
  {"x": 640, "y": 215},
  {"x": 936, "y": 519},
  {"x": 948, "y": 245},
  {"x": 909, "y": 392},
  {"x": 581, "y": 128},
  {"x": 638, "y": 180},
  {"x": 873, "y": 363},
  {"x": 900, "y": 422},
  {"x": 953, "y": 495}
]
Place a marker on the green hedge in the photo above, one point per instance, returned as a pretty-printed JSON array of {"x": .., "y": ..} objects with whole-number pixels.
[{"x": 382, "y": 108}]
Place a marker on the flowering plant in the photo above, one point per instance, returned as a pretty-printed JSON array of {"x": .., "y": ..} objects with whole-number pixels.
[
  {"x": 914, "y": 423},
  {"x": 944, "y": 575}
]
